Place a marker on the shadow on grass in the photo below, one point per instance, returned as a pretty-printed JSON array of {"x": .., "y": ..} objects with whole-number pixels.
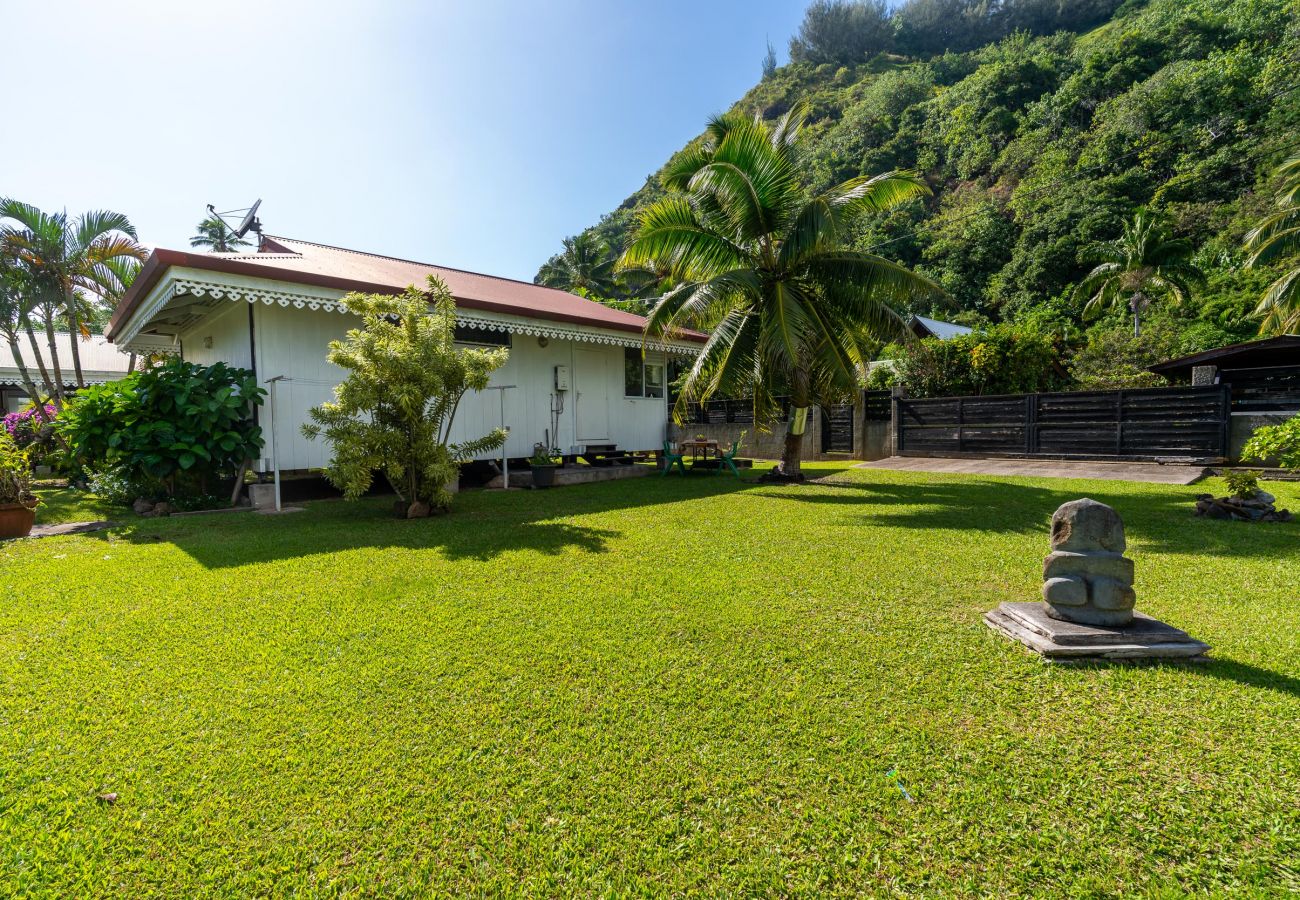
[
  {"x": 482, "y": 525},
  {"x": 1159, "y": 516},
  {"x": 1222, "y": 668}
]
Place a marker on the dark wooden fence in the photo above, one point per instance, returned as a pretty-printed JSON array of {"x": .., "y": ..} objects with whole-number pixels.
[{"x": 1152, "y": 423}]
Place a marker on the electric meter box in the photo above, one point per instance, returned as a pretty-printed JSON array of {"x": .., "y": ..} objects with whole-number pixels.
[{"x": 562, "y": 378}]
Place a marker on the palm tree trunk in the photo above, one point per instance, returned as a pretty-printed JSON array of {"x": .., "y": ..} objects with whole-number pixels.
[
  {"x": 54, "y": 360},
  {"x": 74, "y": 331},
  {"x": 792, "y": 455},
  {"x": 26, "y": 377},
  {"x": 40, "y": 362}
]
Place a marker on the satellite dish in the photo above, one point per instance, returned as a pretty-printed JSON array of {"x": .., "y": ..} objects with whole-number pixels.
[{"x": 250, "y": 221}]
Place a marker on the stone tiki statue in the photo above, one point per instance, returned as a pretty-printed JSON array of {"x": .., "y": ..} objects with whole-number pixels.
[{"x": 1087, "y": 578}]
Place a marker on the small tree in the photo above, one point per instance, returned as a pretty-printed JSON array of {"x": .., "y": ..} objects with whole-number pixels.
[
  {"x": 394, "y": 411},
  {"x": 1280, "y": 443}
]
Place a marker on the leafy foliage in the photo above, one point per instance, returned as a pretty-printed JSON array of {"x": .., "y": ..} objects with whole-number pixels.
[
  {"x": 1040, "y": 145},
  {"x": 1276, "y": 442},
  {"x": 15, "y": 471},
  {"x": 394, "y": 411},
  {"x": 172, "y": 426},
  {"x": 1003, "y": 359},
  {"x": 1241, "y": 483},
  {"x": 1278, "y": 236}
]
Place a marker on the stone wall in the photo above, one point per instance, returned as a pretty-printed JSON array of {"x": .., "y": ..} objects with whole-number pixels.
[
  {"x": 1243, "y": 425},
  {"x": 755, "y": 444}
]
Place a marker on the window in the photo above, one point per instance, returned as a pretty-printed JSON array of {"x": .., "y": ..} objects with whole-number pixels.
[
  {"x": 641, "y": 377},
  {"x": 633, "y": 373},
  {"x": 654, "y": 380}
]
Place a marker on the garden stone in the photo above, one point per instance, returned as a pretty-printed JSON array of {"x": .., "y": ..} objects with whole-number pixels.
[
  {"x": 142, "y": 506},
  {"x": 418, "y": 510},
  {"x": 1087, "y": 579}
]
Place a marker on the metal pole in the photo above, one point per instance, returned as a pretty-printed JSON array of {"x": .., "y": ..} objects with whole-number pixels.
[
  {"x": 275, "y": 443},
  {"x": 505, "y": 452}
]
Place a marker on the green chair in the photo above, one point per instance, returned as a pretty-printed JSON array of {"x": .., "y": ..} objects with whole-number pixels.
[
  {"x": 728, "y": 459},
  {"x": 671, "y": 459}
]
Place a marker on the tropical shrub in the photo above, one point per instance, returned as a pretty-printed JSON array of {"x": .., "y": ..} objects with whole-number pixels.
[
  {"x": 1242, "y": 483},
  {"x": 394, "y": 411},
  {"x": 172, "y": 428},
  {"x": 1276, "y": 442},
  {"x": 32, "y": 434},
  {"x": 1004, "y": 359},
  {"x": 15, "y": 472}
]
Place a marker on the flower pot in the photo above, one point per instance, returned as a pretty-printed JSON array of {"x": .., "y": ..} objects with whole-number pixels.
[
  {"x": 16, "y": 520},
  {"x": 543, "y": 476}
]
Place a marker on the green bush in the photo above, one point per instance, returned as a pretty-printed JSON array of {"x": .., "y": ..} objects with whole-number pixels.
[
  {"x": 171, "y": 428},
  {"x": 1276, "y": 442},
  {"x": 1004, "y": 359},
  {"x": 1242, "y": 483}
]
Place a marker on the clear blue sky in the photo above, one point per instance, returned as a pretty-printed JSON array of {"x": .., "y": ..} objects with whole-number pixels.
[{"x": 473, "y": 134}]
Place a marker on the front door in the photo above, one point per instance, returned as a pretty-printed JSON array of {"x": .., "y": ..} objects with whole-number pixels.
[{"x": 592, "y": 385}]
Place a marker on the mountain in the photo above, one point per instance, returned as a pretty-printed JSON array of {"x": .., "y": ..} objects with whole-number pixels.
[{"x": 1039, "y": 145}]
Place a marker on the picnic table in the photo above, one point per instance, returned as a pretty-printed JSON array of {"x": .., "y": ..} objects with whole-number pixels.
[{"x": 700, "y": 449}]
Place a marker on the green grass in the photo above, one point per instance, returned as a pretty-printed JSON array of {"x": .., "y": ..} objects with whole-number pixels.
[{"x": 649, "y": 687}]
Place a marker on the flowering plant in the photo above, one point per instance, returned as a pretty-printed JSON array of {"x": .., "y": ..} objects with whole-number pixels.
[
  {"x": 27, "y": 428},
  {"x": 15, "y": 473}
]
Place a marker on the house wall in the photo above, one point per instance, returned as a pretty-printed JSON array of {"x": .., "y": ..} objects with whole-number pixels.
[{"x": 293, "y": 343}]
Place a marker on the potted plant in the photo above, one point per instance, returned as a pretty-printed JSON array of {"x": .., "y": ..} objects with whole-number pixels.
[
  {"x": 543, "y": 466},
  {"x": 17, "y": 502}
]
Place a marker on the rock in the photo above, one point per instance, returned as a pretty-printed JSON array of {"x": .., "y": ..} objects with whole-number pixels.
[
  {"x": 418, "y": 510},
  {"x": 142, "y": 506},
  {"x": 1086, "y": 577},
  {"x": 161, "y": 509}
]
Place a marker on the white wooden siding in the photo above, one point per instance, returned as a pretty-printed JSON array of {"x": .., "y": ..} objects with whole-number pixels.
[{"x": 293, "y": 343}]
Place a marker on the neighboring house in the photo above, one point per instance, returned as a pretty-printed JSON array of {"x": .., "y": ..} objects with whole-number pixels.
[
  {"x": 1263, "y": 378},
  {"x": 100, "y": 362},
  {"x": 944, "y": 331},
  {"x": 576, "y": 368}
]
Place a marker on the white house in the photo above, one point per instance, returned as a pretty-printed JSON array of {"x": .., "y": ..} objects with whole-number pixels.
[
  {"x": 100, "y": 362},
  {"x": 577, "y": 368}
]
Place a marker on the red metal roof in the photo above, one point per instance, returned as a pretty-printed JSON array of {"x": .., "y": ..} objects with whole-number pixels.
[{"x": 304, "y": 262}]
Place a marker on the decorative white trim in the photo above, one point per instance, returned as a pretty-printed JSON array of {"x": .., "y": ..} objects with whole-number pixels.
[{"x": 469, "y": 318}]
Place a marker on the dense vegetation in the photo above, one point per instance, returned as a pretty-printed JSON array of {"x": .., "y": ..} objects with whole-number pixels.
[{"x": 1040, "y": 144}]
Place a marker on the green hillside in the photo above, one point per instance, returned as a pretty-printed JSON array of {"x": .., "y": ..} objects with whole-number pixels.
[{"x": 1037, "y": 146}]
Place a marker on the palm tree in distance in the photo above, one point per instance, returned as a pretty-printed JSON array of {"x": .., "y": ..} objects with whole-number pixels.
[
  {"x": 1142, "y": 264},
  {"x": 216, "y": 235},
  {"x": 585, "y": 264},
  {"x": 71, "y": 262},
  {"x": 1276, "y": 236},
  {"x": 789, "y": 306}
]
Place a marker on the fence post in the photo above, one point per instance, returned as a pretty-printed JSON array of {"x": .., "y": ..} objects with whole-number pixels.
[
  {"x": 896, "y": 415},
  {"x": 1119, "y": 423},
  {"x": 1031, "y": 423},
  {"x": 961, "y": 424}
]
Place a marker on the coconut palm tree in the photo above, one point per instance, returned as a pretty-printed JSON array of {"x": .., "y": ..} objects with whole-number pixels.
[
  {"x": 1277, "y": 236},
  {"x": 1142, "y": 264},
  {"x": 216, "y": 236},
  {"x": 768, "y": 271},
  {"x": 71, "y": 261},
  {"x": 585, "y": 264},
  {"x": 14, "y": 300}
]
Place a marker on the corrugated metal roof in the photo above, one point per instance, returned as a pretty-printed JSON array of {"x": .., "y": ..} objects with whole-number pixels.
[
  {"x": 293, "y": 260},
  {"x": 942, "y": 330},
  {"x": 98, "y": 356}
]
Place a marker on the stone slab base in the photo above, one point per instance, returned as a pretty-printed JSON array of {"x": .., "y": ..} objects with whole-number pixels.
[
  {"x": 40, "y": 531},
  {"x": 576, "y": 475},
  {"x": 1142, "y": 638}
]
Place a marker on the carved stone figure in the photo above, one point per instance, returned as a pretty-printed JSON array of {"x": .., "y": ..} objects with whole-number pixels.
[{"x": 1086, "y": 577}]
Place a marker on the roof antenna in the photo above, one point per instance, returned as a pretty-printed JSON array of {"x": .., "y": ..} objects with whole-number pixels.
[{"x": 250, "y": 222}]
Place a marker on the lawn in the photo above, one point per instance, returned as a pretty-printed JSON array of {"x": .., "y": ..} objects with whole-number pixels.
[{"x": 648, "y": 687}]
